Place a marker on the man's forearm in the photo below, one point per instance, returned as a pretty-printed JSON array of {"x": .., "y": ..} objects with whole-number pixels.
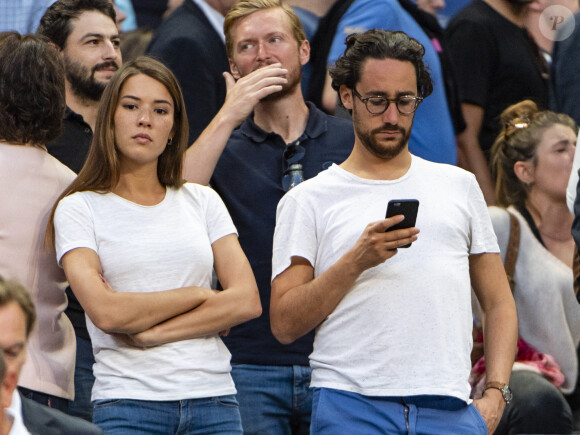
[
  {"x": 470, "y": 153},
  {"x": 499, "y": 316},
  {"x": 302, "y": 308},
  {"x": 202, "y": 157},
  {"x": 473, "y": 160},
  {"x": 500, "y": 332},
  {"x": 300, "y": 302}
]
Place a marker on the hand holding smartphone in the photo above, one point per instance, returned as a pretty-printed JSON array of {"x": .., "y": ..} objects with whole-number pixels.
[{"x": 408, "y": 208}]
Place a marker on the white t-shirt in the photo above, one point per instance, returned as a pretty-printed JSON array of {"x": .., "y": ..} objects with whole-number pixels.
[
  {"x": 405, "y": 327},
  {"x": 146, "y": 249},
  {"x": 548, "y": 311}
]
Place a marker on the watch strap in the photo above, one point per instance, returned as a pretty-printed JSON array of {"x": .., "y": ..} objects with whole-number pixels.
[
  {"x": 502, "y": 387},
  {"x": 496, "y": 385}
]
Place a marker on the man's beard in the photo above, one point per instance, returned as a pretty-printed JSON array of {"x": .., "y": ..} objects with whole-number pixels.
[
  {"x": 370, "y": 142},
  {"x": 293, "y": 82},
  {"x": 83, "y": 82}
]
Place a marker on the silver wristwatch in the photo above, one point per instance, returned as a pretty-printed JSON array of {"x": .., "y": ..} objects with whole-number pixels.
[{"x": 506, "y": 392}]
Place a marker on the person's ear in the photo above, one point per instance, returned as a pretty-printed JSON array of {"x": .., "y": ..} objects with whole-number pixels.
[
  {"x": 346, "y": 97},
  {"x": 524, "y": 171},
  {"x": 304, "y": 51},
  {"x": 234, "y": 69}
]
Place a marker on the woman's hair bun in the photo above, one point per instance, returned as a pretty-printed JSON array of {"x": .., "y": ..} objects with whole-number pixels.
[{"x": 517, "y": 116}]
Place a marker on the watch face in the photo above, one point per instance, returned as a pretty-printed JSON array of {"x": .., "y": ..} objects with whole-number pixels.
[{"x": 507, "y": 394}]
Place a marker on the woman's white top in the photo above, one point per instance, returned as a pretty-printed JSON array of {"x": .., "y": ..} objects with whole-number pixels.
[
  {"x": 548, "y": 311},
  {"x": 148, "y": 249}
]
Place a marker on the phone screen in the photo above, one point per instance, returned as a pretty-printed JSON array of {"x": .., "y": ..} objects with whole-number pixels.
[{"x": 406, "y": 207}]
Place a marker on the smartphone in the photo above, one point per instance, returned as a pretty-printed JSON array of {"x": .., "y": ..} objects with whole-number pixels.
[{"x": 406, "y": 207}]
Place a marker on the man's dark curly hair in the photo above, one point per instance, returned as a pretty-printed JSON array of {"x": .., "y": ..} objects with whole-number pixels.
[
  {"x": 32, "y": 95},
  {"x": 55, "y": 24},
  {"x": 379, "y": 44}
]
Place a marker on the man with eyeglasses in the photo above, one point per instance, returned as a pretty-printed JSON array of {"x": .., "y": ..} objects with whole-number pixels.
[
  {"x": 283, "y": 141},
  {"x": 393, "y": 326},
  {"x": 436, "y": 115}
]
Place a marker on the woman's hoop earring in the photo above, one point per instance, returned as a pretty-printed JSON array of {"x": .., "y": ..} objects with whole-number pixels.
[{"x": 169, "y": 141}]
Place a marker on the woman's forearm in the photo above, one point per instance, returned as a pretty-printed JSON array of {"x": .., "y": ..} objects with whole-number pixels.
[{"x": 218, "y": 313}]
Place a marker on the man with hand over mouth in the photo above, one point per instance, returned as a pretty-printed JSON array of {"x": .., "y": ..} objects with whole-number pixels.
[{"x": 282, "y": 140}]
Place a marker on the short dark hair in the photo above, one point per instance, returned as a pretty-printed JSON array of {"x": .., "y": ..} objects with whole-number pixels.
[
  {"x": 55, "y": 23},
  {"x": 379, "y": 44},
  {"x": 32, "y": 93},
  {"x": 12, "y": 291}
]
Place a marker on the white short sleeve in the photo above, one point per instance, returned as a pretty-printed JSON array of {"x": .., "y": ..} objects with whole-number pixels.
[
  {"x": 295, "y": 233},
  {"x": 483, "y": 237},
  {"x": 218, "y": 220},
  {"x": 73, "y": 226}
]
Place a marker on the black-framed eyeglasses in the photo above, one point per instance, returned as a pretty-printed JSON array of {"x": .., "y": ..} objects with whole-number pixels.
[
  {"x": 406, "y": 104},
  {"x": 291, "y": 167}
]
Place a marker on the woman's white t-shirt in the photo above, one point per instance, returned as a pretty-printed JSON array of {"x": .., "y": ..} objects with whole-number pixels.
[{"x": 147, "y": 249}]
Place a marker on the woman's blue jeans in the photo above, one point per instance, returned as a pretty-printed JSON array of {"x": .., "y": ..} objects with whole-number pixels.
[{"x": 212, "y": 415}]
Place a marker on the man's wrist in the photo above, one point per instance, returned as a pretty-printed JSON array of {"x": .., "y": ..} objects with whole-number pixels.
[
  {"x": 227, "y": 121},
  {"x": 500, "y": 387},
  {"x": 350, "y": 265}
]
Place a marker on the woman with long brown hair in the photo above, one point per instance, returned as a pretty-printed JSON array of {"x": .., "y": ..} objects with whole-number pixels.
[
  {"x": 138, "y": 247},
  {"x": 531, "y": 163}
]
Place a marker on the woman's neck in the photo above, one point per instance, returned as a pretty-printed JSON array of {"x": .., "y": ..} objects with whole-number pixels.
[
  {"x": 552, "y": 217},
  {"x": 554, "y": 223},
  {"x": 28, "y": 144},
  {"x": 140, "y": 186}
]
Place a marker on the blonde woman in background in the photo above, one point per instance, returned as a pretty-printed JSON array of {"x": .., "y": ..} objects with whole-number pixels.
[{"x": 531, "y": 161}]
